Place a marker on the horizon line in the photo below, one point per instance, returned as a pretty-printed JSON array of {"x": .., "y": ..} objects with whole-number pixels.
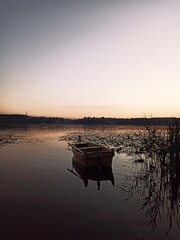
[{"x": 85, "y": 116}]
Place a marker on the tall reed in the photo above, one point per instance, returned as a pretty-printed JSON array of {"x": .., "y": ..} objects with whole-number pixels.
[
  {"x": 158, "y": 180},
  {"x": 162, "y": 142}
]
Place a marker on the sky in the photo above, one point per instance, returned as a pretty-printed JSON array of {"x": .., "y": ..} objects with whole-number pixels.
[{"x": 77, "y": 58}]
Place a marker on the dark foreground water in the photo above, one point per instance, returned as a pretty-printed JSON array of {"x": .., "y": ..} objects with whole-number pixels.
[{"x": 41, "y": 199}]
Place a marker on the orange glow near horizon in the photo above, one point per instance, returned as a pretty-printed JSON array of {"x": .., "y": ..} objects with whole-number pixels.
[{"x": 90, "y": 111}]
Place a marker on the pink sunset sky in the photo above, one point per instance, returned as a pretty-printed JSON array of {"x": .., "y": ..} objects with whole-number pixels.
[{"x": 90, "y": 58}]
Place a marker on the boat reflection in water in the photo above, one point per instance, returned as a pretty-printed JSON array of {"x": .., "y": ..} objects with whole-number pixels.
[{"x": 93, "y": 173}]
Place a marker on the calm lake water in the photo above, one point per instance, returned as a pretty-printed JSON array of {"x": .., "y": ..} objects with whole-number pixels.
[{"x": 41, "y": 199}]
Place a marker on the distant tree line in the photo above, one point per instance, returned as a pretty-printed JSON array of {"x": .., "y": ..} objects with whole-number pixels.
[{"x": 24, "y": 119}]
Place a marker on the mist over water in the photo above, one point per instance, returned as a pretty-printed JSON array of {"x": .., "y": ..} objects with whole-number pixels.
[{"x": 41, "y": 199}]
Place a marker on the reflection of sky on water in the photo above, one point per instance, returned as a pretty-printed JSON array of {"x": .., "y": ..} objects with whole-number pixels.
[{"x": 40, "y": 198}]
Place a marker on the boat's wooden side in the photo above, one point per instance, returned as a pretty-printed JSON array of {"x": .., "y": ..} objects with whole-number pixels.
[{"x": 89, "y": 154}]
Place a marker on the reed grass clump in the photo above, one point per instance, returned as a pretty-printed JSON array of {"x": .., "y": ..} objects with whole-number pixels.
[
  {"x": 157, "y": 180},
  {"x": 161, "y": 142}
]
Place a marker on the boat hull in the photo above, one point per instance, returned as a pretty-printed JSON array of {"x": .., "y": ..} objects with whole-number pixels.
[{"x": 93, "y": 156}]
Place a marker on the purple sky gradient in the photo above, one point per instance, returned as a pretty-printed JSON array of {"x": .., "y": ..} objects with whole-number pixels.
[{"x": 90, "y": 58}]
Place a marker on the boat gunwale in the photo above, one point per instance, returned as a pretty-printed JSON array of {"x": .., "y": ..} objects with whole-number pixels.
[{"x": 90, "y": 146}]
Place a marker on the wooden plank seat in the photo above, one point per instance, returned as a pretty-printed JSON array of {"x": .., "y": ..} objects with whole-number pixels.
[{"x": 90, "y": 148}]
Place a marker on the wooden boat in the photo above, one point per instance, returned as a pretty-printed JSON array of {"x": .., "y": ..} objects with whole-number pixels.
[
  {"x": 90, "y": 154},
  {"x": 95, "y": 174}
]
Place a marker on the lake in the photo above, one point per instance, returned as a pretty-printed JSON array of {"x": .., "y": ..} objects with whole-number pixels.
[{"x": 41, "y": 199}]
